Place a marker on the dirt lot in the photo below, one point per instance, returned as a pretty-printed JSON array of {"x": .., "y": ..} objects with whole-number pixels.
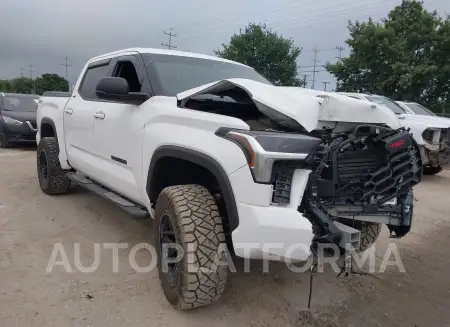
[{"x": 31, "y": 223}]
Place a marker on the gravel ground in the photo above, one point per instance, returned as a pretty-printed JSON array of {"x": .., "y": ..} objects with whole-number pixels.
[{"x": 31, "y": 223}]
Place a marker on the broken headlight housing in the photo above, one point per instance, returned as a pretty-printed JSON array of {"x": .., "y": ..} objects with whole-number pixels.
[{"x": 263, "y": 148}]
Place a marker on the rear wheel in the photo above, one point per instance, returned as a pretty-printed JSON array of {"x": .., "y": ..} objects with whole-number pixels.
[
  {"x": 52, "y": 179},
  {"x": 429, "y": 170},
  {"x": 187, "y": 219}
]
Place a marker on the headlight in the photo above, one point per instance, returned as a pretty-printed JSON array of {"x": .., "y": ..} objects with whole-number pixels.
[
  {"x": 262, "y": 149},
  {"x": 432, "y": 135},
  {"x": 12, "y": 121}
]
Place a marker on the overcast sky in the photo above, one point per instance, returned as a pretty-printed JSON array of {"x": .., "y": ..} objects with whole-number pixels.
[{"x": 42, "y": 32}]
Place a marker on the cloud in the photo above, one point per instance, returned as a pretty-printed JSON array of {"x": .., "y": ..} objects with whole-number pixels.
[{"x": 43, "y": 32}]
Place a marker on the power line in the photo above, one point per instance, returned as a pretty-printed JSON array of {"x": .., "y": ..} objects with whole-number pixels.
[
  {"x": 244, "y": 15},
  {"x": 292, "y": 24},
  {"x": 169, "y": 46},
  {"x": 67, "y": 66}
]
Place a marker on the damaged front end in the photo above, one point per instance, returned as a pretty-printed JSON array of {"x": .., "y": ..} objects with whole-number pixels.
[
  {"x": 361, "y": 166},
  {"x": 363, "y": 175}
]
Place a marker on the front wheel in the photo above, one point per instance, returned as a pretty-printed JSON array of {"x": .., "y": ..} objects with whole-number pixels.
[
  {"x": 190, "y": 241},
  {"x": 429, "y": 170},
  {"x": 52, "y": 179},
  {"x": 369, "y": 232}
]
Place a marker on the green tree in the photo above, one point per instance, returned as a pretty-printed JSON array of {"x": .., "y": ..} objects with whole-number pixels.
[
  {"x": 272, "y": 55},
  {"x": 5, "y": 86},
  {"x": 22, "y": 85},
  {"x": 405, "y": 56},
  {"x": 51, "y": 82}
]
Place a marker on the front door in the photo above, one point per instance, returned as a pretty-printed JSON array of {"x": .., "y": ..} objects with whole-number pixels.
[{"x": 118, "y": 133}]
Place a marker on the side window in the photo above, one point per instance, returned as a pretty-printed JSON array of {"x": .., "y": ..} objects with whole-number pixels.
[
  {"x": 90, "y": 80},
  {"x": 126, "y": 70}
]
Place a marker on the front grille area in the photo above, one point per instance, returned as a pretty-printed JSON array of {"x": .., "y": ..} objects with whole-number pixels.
[
  {"x": 375, "y": 177},
  {"x": 372, "y": 169}
]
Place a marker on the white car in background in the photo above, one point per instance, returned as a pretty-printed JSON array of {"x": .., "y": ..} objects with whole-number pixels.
[
  {"x": 415, "y": 108},
  {"x": 431, "y": 132}
]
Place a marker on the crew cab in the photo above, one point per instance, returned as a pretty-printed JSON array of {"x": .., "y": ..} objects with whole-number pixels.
[
  {"x": 223, "y": 160},
  {"x": 17, "y": 118},
  {"x": 430, "y": 132}
]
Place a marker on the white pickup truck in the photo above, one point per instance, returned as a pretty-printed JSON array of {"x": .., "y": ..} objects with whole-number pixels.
[
  {"x": 431, "y": 133},
  {"x": 218, "y": 156}
]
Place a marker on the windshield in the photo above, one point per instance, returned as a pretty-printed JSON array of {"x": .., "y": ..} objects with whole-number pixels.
[
  {"x": 19, "y": 103},
  {"x": 419, "y": 109},
  {"x": 177, "y": 73},
  {"x": 387, "y": 102}
]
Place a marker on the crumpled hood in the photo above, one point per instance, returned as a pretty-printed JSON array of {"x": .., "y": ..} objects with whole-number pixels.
[{"x": 307, "y": 107}]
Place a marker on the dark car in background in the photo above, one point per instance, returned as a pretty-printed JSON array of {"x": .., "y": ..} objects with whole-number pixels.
[{"x": 17, "y": 118}]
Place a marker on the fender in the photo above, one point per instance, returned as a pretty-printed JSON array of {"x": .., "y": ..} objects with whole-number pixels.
[
  {"x": 62, "y": 148},
  {"x": 206, "y": 162}
]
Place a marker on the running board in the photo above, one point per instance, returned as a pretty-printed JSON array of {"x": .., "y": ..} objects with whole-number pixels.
[{"x": 129, "y": 207}]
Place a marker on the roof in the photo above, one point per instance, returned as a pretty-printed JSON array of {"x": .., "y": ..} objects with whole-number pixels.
[{"x": 162, "y": 52}]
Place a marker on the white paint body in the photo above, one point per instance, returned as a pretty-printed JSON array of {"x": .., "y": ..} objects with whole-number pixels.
[{"x": 134, "y": 132}]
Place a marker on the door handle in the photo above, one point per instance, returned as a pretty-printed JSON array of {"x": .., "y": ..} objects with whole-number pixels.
[
  {"x": 99, "y": 115},
  {"x": 68, "y": 111}
]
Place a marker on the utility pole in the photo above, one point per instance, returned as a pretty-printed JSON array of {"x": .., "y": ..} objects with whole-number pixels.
[
  {"x": 169, "y": 46},
  {"x": 305, "y": 83},
  {"x": 314, "y": 68},
  {"x": 67, "y": 66},
  {"x": 325, "y": 85},
  {"x": 340, "y": 49},
  {"x": 30, "y": 68},
  {"x": 21, "y": 72},
  {"x": 339, "y": 57}
]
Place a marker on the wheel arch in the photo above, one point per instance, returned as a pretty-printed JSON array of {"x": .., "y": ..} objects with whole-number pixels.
[
  {"x": 201, "y": 160},
  {"x": 47, "y": 128}
]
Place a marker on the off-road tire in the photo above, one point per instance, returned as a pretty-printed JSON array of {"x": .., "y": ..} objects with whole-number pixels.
[
  {"x": 198, "y": 229},
  {"x": 3, "y": 139},
  {"x": 369, "y": 234},
  {"x": 429, "y": 170},
  {"x": 55, "y": 181}
]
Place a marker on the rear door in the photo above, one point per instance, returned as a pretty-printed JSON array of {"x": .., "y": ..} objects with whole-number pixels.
[
  {"x": 118, "y": 132},
  {"x": 79, "y": 119}
]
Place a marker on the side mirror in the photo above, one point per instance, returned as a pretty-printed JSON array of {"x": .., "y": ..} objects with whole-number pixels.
[
  {"x": 112, "y": 87},
  {"x": 117, "y": 89}
]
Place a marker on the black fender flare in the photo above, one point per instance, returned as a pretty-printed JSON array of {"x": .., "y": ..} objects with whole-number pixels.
[
  {"x": 50, "y": 122},
  {"x": 206, "y": 162}
]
